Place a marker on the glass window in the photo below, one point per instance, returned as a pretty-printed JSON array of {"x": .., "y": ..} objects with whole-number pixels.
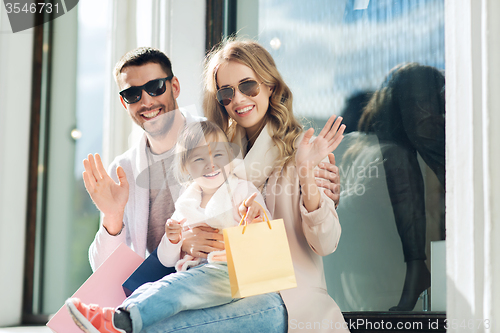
[{"x": 380, "y": 65}]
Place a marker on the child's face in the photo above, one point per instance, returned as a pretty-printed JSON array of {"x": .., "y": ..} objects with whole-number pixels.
[{"x": 209, "y": 165}]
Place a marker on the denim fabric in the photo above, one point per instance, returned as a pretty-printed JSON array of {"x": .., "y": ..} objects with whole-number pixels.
[
  {"x": 257, "y": 314},
  {"x": 204, "y": 290}
]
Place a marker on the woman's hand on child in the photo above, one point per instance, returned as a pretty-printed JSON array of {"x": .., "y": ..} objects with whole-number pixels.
[
  {"x": 173, "y": 230},
  {"x": 309, "y": 154},
  {"x": 109, "y": 197},
  {"x": 328, "y": 177},
  {"x": 252, "y": 209}
]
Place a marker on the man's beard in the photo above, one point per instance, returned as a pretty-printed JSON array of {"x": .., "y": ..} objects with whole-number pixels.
[{"x": 161, "y": 125}]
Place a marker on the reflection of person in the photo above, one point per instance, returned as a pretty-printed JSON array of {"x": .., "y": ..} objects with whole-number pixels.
[
  {"x": 407, "y": 115},
  {"x": 353, "y": 108},
  {"x": 246, "y": 96},
  {"x": 135, "y": 214},
  {"x": 215, "y": 197}
]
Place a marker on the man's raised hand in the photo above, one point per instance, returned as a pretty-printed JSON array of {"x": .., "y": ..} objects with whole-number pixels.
[{"x": 109, "y": 197}]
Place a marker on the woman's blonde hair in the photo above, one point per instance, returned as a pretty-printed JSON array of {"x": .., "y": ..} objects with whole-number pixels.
[
  {"x": 284, "y": 127},
  {"x": 194, "y": 135}
]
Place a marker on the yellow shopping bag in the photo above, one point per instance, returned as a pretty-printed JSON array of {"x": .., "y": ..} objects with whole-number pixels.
[{"x": 258, "y": 258}]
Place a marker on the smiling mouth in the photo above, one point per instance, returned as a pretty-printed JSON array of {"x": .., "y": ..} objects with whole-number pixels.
[
  {"x": 245, "y": 110},
  {"x": 213, "y": 174},
  {"x": 151, "y": 114}
]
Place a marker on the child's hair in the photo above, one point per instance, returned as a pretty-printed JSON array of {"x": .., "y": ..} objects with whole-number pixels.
[
  {"x": 284, "y": 127},
  {"x": 194, "y": 135}
]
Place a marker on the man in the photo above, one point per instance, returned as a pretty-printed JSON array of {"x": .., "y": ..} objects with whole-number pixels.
[{"x": 133, "y": 212}]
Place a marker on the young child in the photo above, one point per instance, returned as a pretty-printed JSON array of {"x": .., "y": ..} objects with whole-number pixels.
[{"x": 214, "y": 197}]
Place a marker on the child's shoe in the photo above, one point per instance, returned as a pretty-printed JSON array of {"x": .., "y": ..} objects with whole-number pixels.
[{"x": 92, "y": 318}]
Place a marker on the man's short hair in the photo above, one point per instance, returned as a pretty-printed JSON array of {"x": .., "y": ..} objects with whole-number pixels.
[{"x": 141, "y": 56}]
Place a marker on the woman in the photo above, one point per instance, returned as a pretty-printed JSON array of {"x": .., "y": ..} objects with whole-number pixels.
[{"x": 246, "y": 96}]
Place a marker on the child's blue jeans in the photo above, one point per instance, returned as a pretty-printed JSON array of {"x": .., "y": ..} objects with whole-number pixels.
[{"x": 199, "y": 300}]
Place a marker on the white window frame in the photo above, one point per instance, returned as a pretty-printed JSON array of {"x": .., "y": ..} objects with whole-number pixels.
[{"x": 472, "y": 158}]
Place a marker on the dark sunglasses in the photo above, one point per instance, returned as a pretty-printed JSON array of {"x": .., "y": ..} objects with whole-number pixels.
[
  {"x": 250, "y": 88},
  {"x": 153, "y": 88}
]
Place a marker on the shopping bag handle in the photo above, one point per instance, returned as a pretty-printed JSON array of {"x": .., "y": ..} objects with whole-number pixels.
[{"x": 244, "y": 215}]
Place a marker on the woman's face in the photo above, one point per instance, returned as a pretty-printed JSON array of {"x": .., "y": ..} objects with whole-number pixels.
[
  {"x": 209, "y": 164},
  {"x": 248, "y": 112}
]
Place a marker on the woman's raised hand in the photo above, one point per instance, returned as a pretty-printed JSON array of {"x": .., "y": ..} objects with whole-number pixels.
[
  {"x": 310, "y": 154},
  {"x": 109, "y": 197}
]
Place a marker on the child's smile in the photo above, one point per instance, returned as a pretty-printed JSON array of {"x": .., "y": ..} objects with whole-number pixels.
[
  {"x": 208, "y": 165},
  {"x": 212, "y": 175}
]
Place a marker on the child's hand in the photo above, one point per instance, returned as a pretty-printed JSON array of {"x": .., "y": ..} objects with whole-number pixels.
[
  {"x": 253, "y": 210},
  {"x": 309, "y": 154},
  {"x": 173, "y": 230}
]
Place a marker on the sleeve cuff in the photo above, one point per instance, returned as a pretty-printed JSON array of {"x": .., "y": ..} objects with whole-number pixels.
[
  {"x": 118, "y": 237},
  {"x": 119, "y": 232},
  {"x": 169, "y": 253},
  {"x": 319, "y": 215}
]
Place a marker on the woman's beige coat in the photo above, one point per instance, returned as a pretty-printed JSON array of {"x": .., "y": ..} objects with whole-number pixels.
[{"x": 310, "y": 236}]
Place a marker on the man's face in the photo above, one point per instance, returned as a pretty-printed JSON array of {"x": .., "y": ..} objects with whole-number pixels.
[{"x": 151, "y": 113}]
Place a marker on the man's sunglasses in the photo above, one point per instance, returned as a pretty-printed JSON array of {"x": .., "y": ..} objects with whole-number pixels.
[
  {"x": 153, "y": 88},
  {"x": 250, "y": 88}
]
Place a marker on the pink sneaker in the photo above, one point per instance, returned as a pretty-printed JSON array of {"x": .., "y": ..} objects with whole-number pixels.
[{"x": 92, "y": 318}]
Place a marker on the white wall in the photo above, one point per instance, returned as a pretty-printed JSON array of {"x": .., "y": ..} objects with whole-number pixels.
[
  {"x": 15, "y": 88},
  {"x": 491, "y": 134}
]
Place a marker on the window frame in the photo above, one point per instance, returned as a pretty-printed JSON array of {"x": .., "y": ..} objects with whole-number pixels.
[{"x": 37, "y": 177}]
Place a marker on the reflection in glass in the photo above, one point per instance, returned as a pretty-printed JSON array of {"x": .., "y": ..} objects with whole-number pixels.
[
  {"x": 335, "y": 55},
  {"x": 407, "y": 116}
]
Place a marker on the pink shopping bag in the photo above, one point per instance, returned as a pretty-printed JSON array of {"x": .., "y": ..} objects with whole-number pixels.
[{"x": 104, "y": 287}]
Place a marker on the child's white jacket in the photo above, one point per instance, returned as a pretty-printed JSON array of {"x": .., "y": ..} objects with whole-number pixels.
[{"x": 220, "y": 212}]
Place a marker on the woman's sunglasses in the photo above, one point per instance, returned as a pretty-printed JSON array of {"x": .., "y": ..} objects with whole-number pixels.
[
  {"x": 153, "y": 88},
  {"x": 250, "y": 88}
]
